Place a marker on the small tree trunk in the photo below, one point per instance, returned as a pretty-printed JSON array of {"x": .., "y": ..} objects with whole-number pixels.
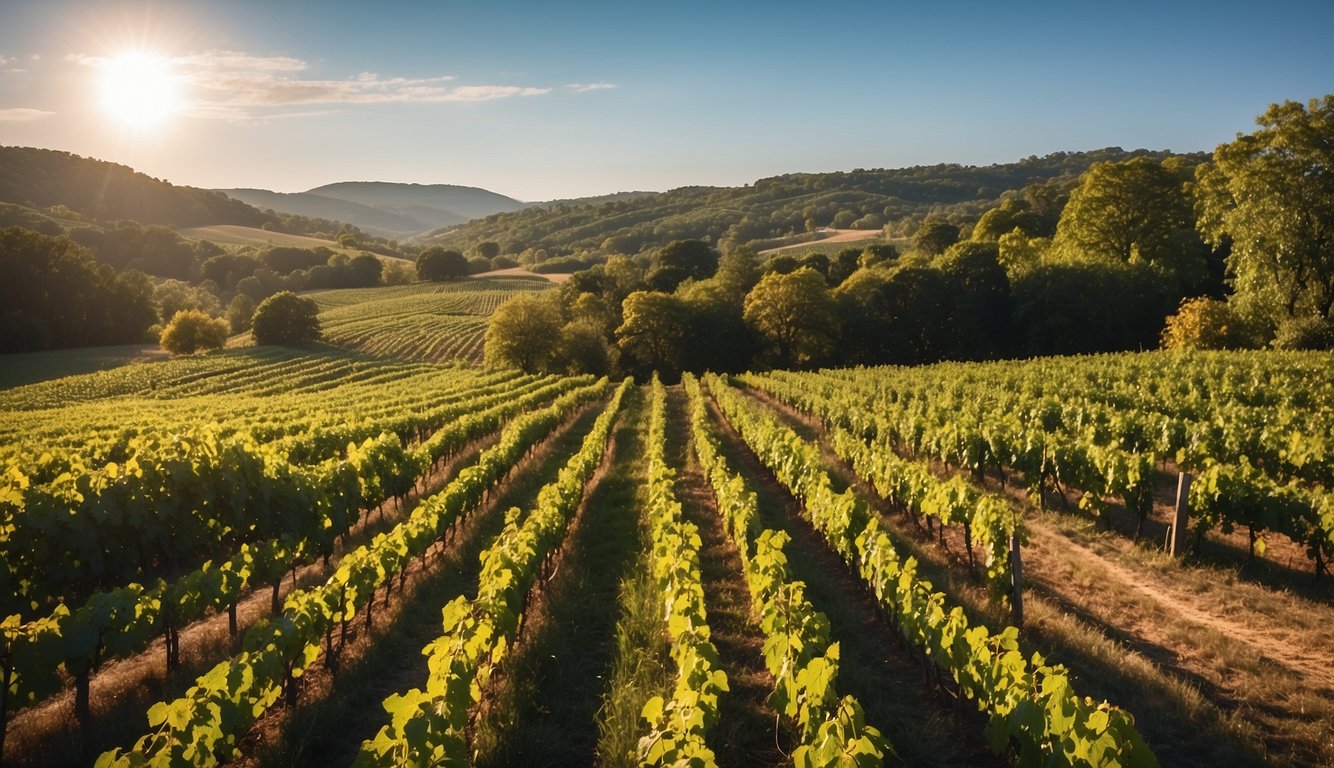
[
  {"x": 82, "y": 708},
  {"x": 231, "y": 619}
]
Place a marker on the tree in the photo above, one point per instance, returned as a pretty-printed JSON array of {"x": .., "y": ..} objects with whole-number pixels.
[
  {"x": 900, "y": 316},
  {"x": 583, "y": 348},
  {"x": 54, "y": 295},
  {"x": 1018, "y": 253},
  {"x": 173, "y": 296},
  {"x": 437, "y": 264},
  {"x": 795, "y": 313},
  {"x": 1271, "y": 195},
  {"x": 1134, "y": 212},
  {"x": 935, "y": 235},
  {"x": 239, "y": 312},
  {"x": 523, "y": 332},
  {"x": 654, "y": 331},
  {"x": 363, "y": 271},
  {"x": 1011, "y": 214},
  {"x": 1067, "y": 309},
  {"x": 191, "y": 330},
  {"x": 488, "y": 249},
  {"x": 681, "y": 260},
  {"x": 285, "y": 318},
  {"x": 981, "y": 300}
]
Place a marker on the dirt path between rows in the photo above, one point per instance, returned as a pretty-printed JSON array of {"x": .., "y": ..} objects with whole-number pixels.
[
  {"x": 749, "y": 731},
  {"x": 124, "y": 688},
  {"x": 892, "y": 682},
  {"x": 309, "y": 734},
  {"x": 1261, "y": 656},
  {"x": 541, "y": 707},
  {"x": 1315, "y": 664}
]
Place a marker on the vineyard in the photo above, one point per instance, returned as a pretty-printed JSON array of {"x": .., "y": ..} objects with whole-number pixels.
[
  {"x": 434, "y": 322},
  {"x": 270, "y": 557}
]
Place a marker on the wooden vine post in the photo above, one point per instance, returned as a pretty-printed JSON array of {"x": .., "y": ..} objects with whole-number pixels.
[
  {"x": 1178, "y": 533},
  {"x": 1016, "y": 582}
]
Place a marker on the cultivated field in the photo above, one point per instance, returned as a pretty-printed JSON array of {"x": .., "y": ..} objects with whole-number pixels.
[
  {"x": 438, "y": 322},
  {"x": 323, "y": 558}
]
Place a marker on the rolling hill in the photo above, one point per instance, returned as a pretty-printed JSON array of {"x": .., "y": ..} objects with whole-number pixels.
[
  {"x": 42, "y": 178},
  {"x": 386, "y": 209},
  {"x": 774, "y": 207}
]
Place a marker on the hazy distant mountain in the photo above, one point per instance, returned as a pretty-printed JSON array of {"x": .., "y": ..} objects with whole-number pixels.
[
  {"x": 104, "y": 191},
  {"x": 382, "y": 208},
  {"x": 370, "y": 219}
]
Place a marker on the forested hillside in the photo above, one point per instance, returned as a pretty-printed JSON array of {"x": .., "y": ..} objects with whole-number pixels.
[
  {"x": 776, "y": 206},
  {"x": 42, "y": 178}
]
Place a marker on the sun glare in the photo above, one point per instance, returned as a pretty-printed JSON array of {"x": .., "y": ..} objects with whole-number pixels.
[{"x": 139, "y": 89}]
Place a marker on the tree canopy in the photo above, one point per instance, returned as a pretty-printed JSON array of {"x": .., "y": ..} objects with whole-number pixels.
[
  {"x": 524, "y": 333},
  {"x": 191, "y": 330},
  {"x": 1270, "y": 194},
  {"x": 1133, "y": 212},
  {"x": 55, "y": 296},
  {"x": 436, "y": 264},
  {"x": 795, "y": 313},
  {"x": 285, "y": 318}
]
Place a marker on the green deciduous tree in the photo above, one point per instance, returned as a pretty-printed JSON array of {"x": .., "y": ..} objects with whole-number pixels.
[
  {"x": 1133, "y": 212},
  {"x": 173, "y": 296},
  {"x": 980, "y": 299},
  {"x": 1271, "y": 195},
  {"x": 1011, "y": 214},
  {"x": 54, "y": 295},
  {"x": 239, "y": 312},
  {"x": 488, "y": 249},
  {"x": 935, "y": 235},
  {"x": 436, "y": 264},
  {"x": 795, "y": 314},
  {"x": 681, "y": 260},
  {"x": 523, "y": 332},
  {"x": 191, "y": 330},
  {"x": 285, "y": 318},
  {"x": 654, "y": 332}
]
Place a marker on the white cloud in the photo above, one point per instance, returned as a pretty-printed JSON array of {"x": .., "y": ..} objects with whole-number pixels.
[
  {"x": 586, "y": 87},
  {"x": 23, "y": 115},
  {"x": 232, "y": 85},
  {"x": 489, "y": 92}
]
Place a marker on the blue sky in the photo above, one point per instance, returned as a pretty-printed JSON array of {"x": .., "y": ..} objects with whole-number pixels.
[{"x": 545, "y": 100}]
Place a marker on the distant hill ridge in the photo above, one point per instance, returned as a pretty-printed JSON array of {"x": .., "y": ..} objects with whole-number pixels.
[
  {"x": 105, "y": 191},
  {"x": 774, "y": 207},
  {"x": 387, "y": 209}
]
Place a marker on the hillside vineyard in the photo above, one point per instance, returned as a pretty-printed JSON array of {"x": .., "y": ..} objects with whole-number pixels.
[{"x": 238, "y": 557}]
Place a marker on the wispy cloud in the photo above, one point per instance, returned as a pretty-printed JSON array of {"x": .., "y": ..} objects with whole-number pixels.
[
  {"x": 586, "y": 87},
  {"x": 23, "y": 115},
  {"x": 232, "y": 85}
]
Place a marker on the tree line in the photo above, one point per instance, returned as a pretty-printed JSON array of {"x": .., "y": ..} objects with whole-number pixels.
[{"x": 1234, "y": 249}]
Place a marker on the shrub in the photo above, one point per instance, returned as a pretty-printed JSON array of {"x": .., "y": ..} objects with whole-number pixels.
[
  {"x": 1204, "y": 323},
  {"x": 191, "y": 330},
  {"x": 1309, "y": 332}
]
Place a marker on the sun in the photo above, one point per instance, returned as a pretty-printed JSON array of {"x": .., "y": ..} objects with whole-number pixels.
[{"x": 139, "y": 89}]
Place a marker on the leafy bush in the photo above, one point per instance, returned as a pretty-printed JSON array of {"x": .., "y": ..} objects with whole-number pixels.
[
  {"x": 1309, "y": 332},
  {"x": 1204, "y": 323},
  {"x": 191, "y": 330}
]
